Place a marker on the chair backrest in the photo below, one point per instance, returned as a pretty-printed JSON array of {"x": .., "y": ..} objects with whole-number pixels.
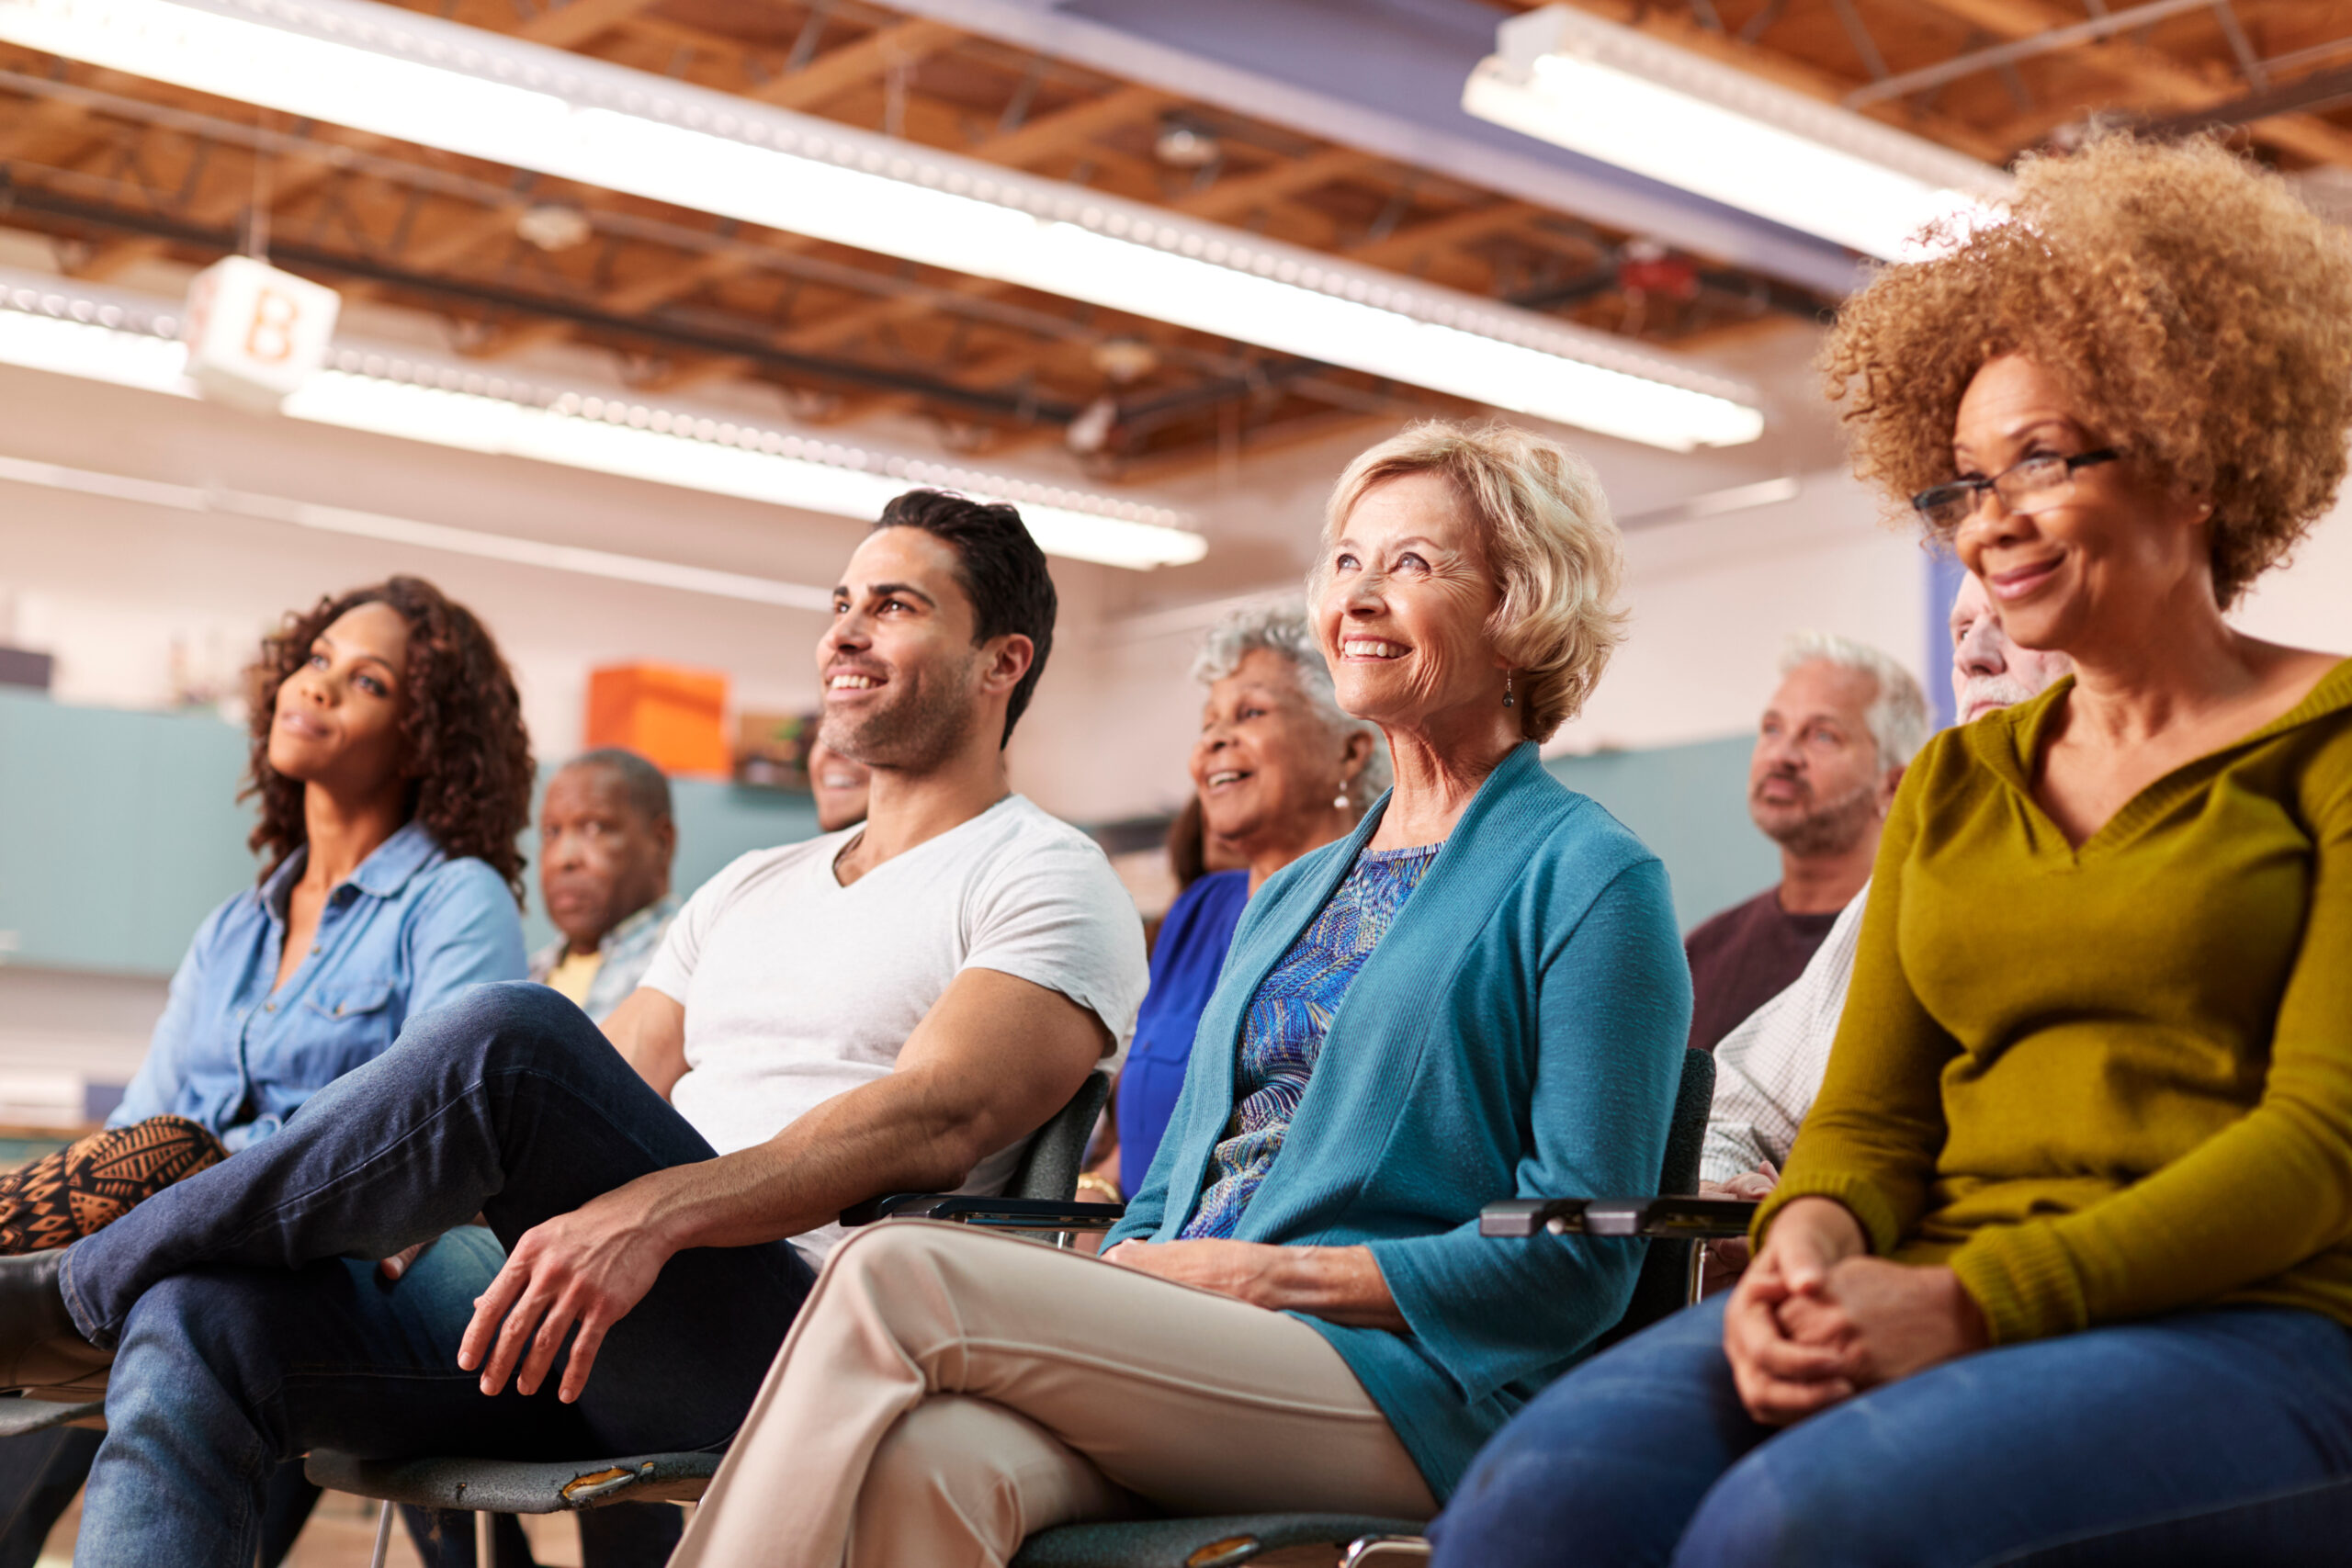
[
  {"x": 1663, "y": 1286},
  {"x": 1051, "y": 1164}
]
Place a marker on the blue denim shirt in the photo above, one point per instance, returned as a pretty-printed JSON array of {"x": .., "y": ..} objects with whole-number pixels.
[{"x": 409, "y": 929}]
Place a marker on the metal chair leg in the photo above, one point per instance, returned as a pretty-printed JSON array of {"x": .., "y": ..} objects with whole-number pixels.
[
  {"x": 485, "y": 1538},
  {"x": 383, "y": 1537},
  {"x": 1695, "y": 1285}
]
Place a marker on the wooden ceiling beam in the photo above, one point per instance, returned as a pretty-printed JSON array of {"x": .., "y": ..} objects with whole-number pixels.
[
  {"x": 1398, "y": 249},
  {"x": 288, "y": 179},
  {"x": 576, "y": 22},
  {"x": 1067, "y": 129},
  {"x": 1243, "y": 194},
  {"x": 837, "y": 71},
  {"x": 2162, "y": 80}
]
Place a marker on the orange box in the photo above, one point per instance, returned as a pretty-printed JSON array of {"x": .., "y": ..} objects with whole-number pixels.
[{"x": 674, "y": 717}]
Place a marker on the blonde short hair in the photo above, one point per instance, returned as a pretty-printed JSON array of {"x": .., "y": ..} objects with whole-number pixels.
[{"x": 1550, "y": 541}]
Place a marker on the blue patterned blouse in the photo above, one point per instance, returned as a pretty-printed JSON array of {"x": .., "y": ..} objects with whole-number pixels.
[{"x": 1282, "y": 1031}]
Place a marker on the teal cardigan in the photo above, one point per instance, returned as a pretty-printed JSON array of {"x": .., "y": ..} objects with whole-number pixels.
[{"x": 1518, "y": 1032}]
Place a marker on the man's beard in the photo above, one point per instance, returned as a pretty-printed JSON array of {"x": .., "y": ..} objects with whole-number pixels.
[
  {"x": 1825, "y": 828},
  {"x": 913, "y": 734}
]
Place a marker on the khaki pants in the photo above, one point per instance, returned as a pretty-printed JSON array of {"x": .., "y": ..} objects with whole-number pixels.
[{"x": 946, "y": 1392}]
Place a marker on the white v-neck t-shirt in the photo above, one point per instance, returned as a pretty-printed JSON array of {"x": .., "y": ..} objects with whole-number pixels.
[{"x": 797, "y": 989}]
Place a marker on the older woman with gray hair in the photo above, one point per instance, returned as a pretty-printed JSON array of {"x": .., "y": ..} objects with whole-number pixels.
[
  {"x": 1279, "y": 769},
  {"x": 1297, "y": 1310}
]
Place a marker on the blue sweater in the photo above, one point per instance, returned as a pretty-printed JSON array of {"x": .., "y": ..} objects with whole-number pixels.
[
  {"x": 1185, "y": 965},
  {"x": 1518, "y": 1033}
]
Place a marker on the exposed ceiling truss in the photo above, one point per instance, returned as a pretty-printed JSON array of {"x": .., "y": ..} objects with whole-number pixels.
[{"x": 121, "y": 171}]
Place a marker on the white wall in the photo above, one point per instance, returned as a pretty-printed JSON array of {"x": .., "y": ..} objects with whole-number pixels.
[
  {"x": 1714, "y": 599},
  {"x": 114, "y": 586}
]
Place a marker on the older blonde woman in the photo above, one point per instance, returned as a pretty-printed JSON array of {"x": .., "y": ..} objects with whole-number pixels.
[
  {"x": 1279, "y": 769},
  {"x": 1297, "y": 1310},
  {"x": 2061, "y": 1270}
]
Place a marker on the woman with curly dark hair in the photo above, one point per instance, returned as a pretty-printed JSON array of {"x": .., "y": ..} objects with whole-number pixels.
[
  {"x": 2061, "y": 1267},
  {"x": 394, "y": 778}
]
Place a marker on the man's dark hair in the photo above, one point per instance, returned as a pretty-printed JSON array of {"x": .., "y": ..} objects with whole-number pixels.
[
  {"x": 999, "y": 568},
  {"x": 642, "y": 784}
]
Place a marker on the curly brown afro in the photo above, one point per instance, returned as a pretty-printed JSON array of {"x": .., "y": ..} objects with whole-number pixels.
[
  {"x": 2199, "y": 313},
  {"x": 464, "y": 748}
]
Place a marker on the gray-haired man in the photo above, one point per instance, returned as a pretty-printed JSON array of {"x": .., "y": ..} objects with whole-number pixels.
[{"x": 1829, "y": 750}]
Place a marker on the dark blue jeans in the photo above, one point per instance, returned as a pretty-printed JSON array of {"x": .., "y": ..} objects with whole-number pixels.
[
  {"x": 252, "y": 1325},
  {"x": 2201, "y": 1438}
]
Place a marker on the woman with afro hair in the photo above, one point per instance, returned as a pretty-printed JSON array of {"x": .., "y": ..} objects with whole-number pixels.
[
  {"x": 2061, "y": 1267},
  {"x": 394, "y": 777}
]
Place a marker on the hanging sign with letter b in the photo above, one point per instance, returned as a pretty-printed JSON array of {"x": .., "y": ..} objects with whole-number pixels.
[{"x": 254, "y": 334}]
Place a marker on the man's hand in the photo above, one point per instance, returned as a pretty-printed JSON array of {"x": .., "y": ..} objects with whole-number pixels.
[
  {"x": 1889, "y": 1320},
  {"x": 1780, "y": 1377},
  {"x": 586, "y": 1269},
  {"x": 1727, "y": 1257},
  {"x": 395, "y": 1266}
]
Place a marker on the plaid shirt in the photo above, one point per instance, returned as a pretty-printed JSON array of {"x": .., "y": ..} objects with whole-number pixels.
[
  {"x": 627, "y": 952},
  {"x": 1768, "y": 1069}
]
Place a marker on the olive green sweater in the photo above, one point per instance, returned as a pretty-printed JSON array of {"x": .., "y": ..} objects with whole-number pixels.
[{"x": 2114, "y": 1080}]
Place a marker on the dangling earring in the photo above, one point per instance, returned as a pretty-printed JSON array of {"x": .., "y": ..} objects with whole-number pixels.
[
  {"x": 1509, "y": 701},
  {"x": 1341, "y": 802}
]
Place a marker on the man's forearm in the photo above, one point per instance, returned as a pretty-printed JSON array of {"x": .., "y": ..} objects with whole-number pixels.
[{"x": 886, "y": 1136}]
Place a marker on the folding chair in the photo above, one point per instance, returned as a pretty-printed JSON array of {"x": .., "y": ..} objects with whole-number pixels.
[
  {"x": 1668, "y": 1280},
  {"x": 1048, "y": 1175}
]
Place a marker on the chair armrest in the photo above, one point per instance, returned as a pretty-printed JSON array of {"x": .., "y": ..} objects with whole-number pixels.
[
  {"x": 1681, "y": 1219},
  {"x": 994, "y": 1213}
]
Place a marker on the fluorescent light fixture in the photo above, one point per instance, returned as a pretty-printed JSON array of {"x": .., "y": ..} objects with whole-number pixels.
[
  {"x": 419, "y": 79},
  {"x": 399, "y": 395},
  {"x": 1624, "y": 97},
  {"x": 409, "y": 530},
  {"x": 1721, "y": 503}
]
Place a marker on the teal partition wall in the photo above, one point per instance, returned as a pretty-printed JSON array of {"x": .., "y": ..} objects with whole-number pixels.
[
  {"x": 120, "y": 831},
  {"x": 1689, "y": 804}
]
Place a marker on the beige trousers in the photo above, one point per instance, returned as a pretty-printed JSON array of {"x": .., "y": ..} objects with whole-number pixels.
[{"x": 946, "y": 1392}]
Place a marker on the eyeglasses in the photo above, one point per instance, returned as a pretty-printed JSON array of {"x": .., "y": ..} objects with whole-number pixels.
[{"x": 2037, "y": 484}]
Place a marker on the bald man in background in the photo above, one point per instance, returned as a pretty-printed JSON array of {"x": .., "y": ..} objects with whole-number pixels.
[{"x": 606, "y": 838}]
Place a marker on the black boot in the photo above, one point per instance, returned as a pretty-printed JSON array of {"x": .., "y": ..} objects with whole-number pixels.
[{"x": 40, "y": 1348}]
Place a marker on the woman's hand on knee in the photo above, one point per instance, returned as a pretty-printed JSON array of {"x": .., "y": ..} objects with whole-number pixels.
[
  {"x": 1898, "y": 1318},
  {"x": 1242, "y": 1269},
  {"x": 1781, "y": 1379}
]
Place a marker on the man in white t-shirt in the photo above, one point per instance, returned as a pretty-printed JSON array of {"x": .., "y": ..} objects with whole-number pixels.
[{"x": 896, "y": 1007}]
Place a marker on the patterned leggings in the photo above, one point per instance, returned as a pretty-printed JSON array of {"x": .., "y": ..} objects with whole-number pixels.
[{"x": 94, "y": 1181}]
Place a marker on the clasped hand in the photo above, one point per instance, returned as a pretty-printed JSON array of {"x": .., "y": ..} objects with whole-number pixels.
[
  {"x": 586, "y": 1269},
  {"x": 1816, "y": 1320}
]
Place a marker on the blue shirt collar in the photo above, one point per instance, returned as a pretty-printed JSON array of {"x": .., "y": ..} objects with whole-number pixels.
[{"x": 381, "y": 875}]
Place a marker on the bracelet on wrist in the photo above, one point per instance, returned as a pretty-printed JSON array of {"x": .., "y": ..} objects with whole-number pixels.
[{"x": 1102, "y": 1187}]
